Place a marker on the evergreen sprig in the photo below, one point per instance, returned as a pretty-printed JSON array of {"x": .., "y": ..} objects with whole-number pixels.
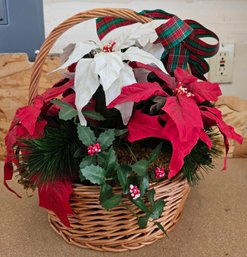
[{"x": 56, "y": 156}]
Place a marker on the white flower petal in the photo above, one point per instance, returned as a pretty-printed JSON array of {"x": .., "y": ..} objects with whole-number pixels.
[
  {"x": 155, "y": 49},
  {"x": 135, "y": 54},
  {"x": 126, "y": 78},
  {"x": 135, "y": 33},
  {"x": 86, "y": 83},
  {"x": 80, "y": 49},
  {"x": 108, "y": 66}
]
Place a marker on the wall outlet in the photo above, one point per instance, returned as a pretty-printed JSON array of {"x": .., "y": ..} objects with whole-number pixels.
[{"x": 221, "y": 65}]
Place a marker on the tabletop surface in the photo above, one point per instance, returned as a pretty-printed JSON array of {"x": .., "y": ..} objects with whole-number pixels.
[{"x": 213, "y": 223}]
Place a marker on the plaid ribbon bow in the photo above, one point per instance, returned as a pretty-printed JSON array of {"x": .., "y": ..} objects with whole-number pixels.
[{"x": 181, "y": 40}]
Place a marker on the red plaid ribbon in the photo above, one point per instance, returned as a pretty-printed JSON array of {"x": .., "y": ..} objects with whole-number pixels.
[{"x": 181, "y": 40}]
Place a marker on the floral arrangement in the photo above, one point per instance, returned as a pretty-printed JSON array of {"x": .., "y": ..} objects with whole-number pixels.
[{"x": 127, "y": 114}]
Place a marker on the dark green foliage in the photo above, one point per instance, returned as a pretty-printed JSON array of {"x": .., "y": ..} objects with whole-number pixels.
[{"x": 52, "y": 157}]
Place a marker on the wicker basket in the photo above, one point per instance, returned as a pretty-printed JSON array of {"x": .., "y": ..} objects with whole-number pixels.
[
  {"x": 117, "y": 230},
  {"x": 92, "y": 226}
]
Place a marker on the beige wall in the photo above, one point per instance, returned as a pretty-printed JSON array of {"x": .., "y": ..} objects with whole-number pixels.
[{"x": 227, "y": 18}]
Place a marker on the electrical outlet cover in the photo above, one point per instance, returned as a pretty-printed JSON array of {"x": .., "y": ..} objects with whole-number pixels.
[{"x": 221, "y": 65}]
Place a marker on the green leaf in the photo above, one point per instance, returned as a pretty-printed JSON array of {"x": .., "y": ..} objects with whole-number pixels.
[
  {"x": 67, "y": 112},
  {"x": 158, "y": 224},
  {"x": 120, "y": 132},
  {"x": 108, "y": 160},
  {"x": 155, "y": 153},
  {"x": 86, "y": 135},
  {"x": 107, "y": 199},
  {"x": 112, "y": 202},
  {"x": 105, "y": 192},
  {"x": 106, "y": 138},
  {"x": 93, "y": 115},
  {"x": 150, "y": 196},
  {"x": 144, "y": 184},
  {"x": 95, "y": 174},
  {"x": 122, "y": 175},
  {"x": 140, "y": 204},
  {"x": 157, "y": 209},
  {"x": 143, "y": 221},
  {"x": 88, "y": 160},
  {"x": 140, "y": 167}
]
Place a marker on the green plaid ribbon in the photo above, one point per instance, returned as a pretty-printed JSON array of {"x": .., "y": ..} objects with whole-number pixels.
[{"x": 181, "y": 40}]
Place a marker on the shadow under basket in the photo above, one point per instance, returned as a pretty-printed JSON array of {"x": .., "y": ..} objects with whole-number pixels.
[{"x": 117, "y": 230}]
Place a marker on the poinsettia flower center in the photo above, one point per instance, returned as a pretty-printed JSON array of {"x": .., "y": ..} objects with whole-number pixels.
[
  {"x": 109, "y": 47},
  {"x": 181, "y": 90}
]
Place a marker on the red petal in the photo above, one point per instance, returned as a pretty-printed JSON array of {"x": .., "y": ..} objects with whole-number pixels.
[
  {"x": 138, "y": 92},
  {"x": 158, "y": 72},
  {"x": 184, "y": 76},
  {"x": 206, "y": 139},
  {"x": 28, "y": 115},
  {"x": 56, "y": 91},
  {"x": 214, "y": 116},
  {"x": 181, "y": 148},
  {"x": 8, "y": 174},
  {"x": 55, "y": 197},
  {"x": 205, "y": 91},
  {"x": 185, "y": 114},
  {"x": 143, "y": 126}
]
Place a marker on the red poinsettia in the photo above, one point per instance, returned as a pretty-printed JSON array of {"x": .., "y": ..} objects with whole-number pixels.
[
  {"x": 184, "y": 116},
  {"x": 30, "y": 122}
]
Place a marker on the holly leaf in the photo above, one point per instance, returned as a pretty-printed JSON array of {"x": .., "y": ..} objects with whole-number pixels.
[
  {"x": 93, "y": 115},
  {"x": 86, "y": 135},
  {"x": 108, "y": 160},
  {"x": 143, "y": 221},
  {"x": 95, "y": 174},
  {"x": 158, "y": 224},
  {"x": 107, "y": 199},
  {"x": 106, "y": 138},
  {"x": 144, "y": 184},
  {"x": 157, "y": 209},
  {"x": 67, "y": 112},
  {"x": 150, "y": 196},
  {"x": 87, "y": 161},
  {"x": 55, "y": 197},
  {"x": 140, "y": 204},
  {"x": 155, "y": 153},
  {"x": 140, "y": 167},
  {"x": 122, "y": 174}
]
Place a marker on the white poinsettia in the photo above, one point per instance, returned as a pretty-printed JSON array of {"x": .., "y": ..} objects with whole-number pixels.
[{"x": 108, "y": 67}]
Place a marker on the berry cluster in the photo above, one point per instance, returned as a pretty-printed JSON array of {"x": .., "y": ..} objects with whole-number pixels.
[
  {"x": 159, "y": 172},
  {"x": 180, "y": 90},
  {"x": 93, "y": 149},
  {"x": 134, "y": 192},
  {"x": 109, "y": 47}
]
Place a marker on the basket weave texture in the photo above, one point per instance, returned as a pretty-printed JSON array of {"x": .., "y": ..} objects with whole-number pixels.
[
  {"x": 91, "y": 225},
  {"x": 117, "y": 230}
]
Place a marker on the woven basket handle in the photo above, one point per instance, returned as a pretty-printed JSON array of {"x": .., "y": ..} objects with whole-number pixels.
[{"x": 64, "y": 26}]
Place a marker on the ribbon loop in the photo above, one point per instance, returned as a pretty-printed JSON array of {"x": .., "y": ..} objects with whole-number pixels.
[{"x": 181, "y": 40}]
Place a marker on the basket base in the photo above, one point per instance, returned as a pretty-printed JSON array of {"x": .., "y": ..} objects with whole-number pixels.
[{"x": 117, "y": 230}]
